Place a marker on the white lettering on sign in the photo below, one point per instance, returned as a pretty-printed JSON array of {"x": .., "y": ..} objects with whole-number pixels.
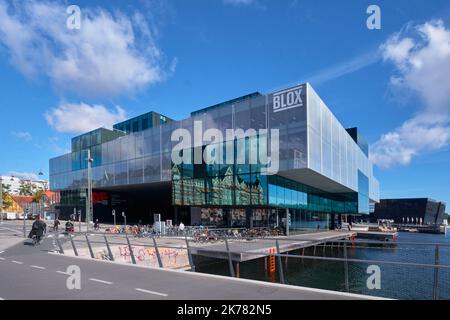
[{"x": 288, "y": 99}]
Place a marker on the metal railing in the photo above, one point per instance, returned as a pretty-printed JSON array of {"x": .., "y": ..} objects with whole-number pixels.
[{"x": 408, "y": 270}]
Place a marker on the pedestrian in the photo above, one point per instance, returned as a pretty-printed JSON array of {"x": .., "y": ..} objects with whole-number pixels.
[
  {"x": 96, "y": 225},
  {"x": 56, "y": 224},
  {"x": 181, "y": 227}
]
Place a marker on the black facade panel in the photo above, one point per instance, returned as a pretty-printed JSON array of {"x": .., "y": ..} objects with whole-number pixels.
[{"x": 429, "y": 211}]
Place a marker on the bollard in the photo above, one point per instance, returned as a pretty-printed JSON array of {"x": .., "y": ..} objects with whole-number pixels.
[
  {"x": 73, "y": 245},
  {"x": 89, "y": 246},
  {"x": 133, "y": 259},
  {"x": 61, "y": 250},
  {"x": 191, "y": 261},
  {"x": 157, "y": 253},
  {"x": 280, "y": 264},
  {"x": 111, "y": 257},
  {"x": 230, "y": 262}
]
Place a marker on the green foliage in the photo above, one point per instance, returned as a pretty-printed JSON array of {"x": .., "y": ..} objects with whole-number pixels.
[
  {"x": 38, "y": 196},
  {"x": 26, "y": 188},
  {"x": 7, "y": 200}
]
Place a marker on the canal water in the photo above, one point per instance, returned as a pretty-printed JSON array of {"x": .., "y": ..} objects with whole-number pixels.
[{"x": 397, "y": 281}]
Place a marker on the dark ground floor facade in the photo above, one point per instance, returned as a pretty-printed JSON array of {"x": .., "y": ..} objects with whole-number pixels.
[{"x": 285, "y": 203}]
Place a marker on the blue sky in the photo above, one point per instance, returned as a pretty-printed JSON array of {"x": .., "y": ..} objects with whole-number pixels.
[{"x": 180, "y": 56}]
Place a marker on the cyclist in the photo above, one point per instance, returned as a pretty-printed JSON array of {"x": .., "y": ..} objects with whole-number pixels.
[
  {"x": 37, "y": 230},
  {"x": 70, "y": 226}
]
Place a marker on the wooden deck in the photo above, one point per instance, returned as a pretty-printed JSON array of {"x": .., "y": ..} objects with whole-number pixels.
[{"x": 243, "y": 250}]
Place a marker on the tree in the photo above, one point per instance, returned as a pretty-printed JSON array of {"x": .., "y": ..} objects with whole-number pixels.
[
  {"x": 7, "y": 200},
  {"x": 26, "y": 188},
  {"x": 38, "y": 196}
]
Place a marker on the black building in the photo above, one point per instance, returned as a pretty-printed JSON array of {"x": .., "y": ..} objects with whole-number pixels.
[{"x": 427, "y": 211}]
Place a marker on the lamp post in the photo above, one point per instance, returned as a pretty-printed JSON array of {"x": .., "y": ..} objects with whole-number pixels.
[
  {"x": 40, "y": 174},
  {"x": 114, "y": 214},
  {"x": 125, "y": 220},
  {"x": 89, "y": 191}
]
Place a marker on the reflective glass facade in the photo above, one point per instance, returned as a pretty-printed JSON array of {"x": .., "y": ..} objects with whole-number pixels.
[{"x": 322, "y": 169}]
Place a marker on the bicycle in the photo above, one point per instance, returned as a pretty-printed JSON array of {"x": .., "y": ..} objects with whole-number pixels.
[{"x": 36, "y": 240}]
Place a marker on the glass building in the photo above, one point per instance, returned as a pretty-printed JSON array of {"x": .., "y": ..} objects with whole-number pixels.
[{"x": 323, "y": 173}]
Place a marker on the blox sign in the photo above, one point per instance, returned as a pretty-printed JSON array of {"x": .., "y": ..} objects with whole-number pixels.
[{"x": 288, "y": 99}]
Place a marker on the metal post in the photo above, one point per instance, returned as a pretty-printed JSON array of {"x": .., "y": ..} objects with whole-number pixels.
[
  {"x": 79, "y": 220},
  {"x": 436, "y": 274},
  {"x": 191, "y": 261},
  {"x": 280, "y": 264},
  {"x": 73, "y": 245},
  {"x": 89, "y": 246},
  {"x": 125, "y": 220},
  {"x": 89, "y": 191},
  {"x": 114, "y": 214},
  {"x": 287, "y": 222},
  {"x": 157, "y": 253},
  {"x": 111, "y": 257},
  {"x": 24, "y": 222},
  {"x": 133, "y": 259},
  {"x": 347, "y": 286},
  {"x": 230, "y": 262},
  {"x": 61, "y": 250}
]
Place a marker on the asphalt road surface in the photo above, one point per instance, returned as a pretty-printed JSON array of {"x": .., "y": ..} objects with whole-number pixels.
[{"x": 28, "y": 272}]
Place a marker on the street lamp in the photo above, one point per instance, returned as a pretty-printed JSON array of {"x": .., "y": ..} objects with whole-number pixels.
[{"x": 89, "y": 190}]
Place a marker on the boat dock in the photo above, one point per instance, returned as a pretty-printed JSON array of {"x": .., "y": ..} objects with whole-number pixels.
[
  {"x": 377, "y": 235},
  {"x": 243, "y": 250}
]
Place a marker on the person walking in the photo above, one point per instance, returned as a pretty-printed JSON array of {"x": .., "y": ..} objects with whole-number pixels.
[
  {"x": 96, "y": 225},
  {"x": 56, "y": 224}
]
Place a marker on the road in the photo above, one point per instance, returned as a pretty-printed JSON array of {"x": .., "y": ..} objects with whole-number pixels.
[{"x": 28, "y": 272}]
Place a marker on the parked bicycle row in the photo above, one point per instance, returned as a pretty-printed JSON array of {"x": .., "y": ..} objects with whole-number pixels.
[{"x": 197, "y": 234}]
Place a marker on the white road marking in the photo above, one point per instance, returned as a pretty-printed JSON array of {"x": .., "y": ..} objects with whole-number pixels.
[
  {"x": 17, "y": 262},
  {"x": 38, "y": 267},
  {"x": 1, "y": 252},
  {"x": 2, "y": 299},
  {"x": 151, "y": 292},
  {"x": 100, "y": 281},
  {"x": 62, "y": 272},
  {"x": 2, "y": 258}
]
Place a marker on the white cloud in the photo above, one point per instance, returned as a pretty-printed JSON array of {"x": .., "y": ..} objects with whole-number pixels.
[
  {"x": 23, "y": 175},
  {"x": 415, "y": 136},
  {"x": 423, "y": 68},
  {"x": 344, "y": 68},
  {"x": 110, "y": 55},
  {"x": 22, "y": 135},
  {"x": 240, "y": 2},
  {"x": 80, "y": 118}
]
